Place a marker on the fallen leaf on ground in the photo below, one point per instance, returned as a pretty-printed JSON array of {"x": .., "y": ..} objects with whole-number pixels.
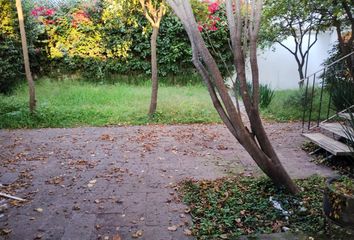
[
  {"x": 172, "y": 228},
  {"x": 38, "y": 210},
  {"x": 117, "y": 237},
  {"x": 39, "y": 236},
  {"x": 224, "y": 236},
  {"x": 187, "y": 232},
  {"x": 138, "y": 234},
  {"x": 107, "y": 137},
  {"x": 76, "y": 207},
  {"x": 6, "y": 231}
]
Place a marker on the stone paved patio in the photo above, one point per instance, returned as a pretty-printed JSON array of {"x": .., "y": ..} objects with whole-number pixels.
[{"x": 106, "y": 183}]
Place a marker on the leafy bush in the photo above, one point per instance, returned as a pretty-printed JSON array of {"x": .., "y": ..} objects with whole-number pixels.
[
  {"x": 339, "y": 81},
  {"x": 96, "y": 42},
  {"x": 10, "y": 47}
]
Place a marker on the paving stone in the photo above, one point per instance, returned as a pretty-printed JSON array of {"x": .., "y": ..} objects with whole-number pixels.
[
  {"x": 139, "y": 199},
  {"x": 8, "y": 178},
  {"x": 80, "y": 226}
]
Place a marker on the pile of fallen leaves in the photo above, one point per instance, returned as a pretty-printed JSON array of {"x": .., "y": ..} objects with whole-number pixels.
[
  {"x": 230, "y": 207},
  {"x": 344, "y": 185}
]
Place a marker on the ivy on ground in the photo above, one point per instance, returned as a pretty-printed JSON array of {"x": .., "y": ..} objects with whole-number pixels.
[{"x": 230, "y": 207}]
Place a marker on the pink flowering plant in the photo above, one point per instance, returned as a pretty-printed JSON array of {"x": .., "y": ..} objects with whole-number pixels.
[
  {"x": 44, "y": 14},
  {"x": 207, "y": 13},
  {"x": 212, "y": 23}
]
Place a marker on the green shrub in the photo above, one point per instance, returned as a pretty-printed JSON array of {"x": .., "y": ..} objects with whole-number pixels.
[
  {"x": 266, "y": 95},
  {"x": 94, "y": 41},
  {"x": 339, "y": 81},
  {"x": 10, "y": 47}
]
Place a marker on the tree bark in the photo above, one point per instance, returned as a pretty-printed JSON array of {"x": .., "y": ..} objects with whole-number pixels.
[
  {"x": 154, "y": 78},
  {"x": 32, "y": 95},
  {"x": 255, "y": 142}
]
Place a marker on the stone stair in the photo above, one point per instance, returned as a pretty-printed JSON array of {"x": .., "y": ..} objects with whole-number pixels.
[{"x": 337, "y": 131}]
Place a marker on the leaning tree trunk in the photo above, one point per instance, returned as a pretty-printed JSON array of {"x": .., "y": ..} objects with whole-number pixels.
[
  {"x": 154, "y": 79},
  {"x": 255, "y": 140},
  {"x": 32, "y": 96}
]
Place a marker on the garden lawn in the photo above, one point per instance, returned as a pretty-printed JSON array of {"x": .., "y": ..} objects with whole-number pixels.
[{"x": 70, "y": 103}]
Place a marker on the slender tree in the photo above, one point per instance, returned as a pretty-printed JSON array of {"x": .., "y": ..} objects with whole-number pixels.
[
  {"x": 153, "y": 12},
  {"x": 32, "y": 96},
  {"x": 244, "y": 27},
  {"x": 296, "y": 20},
  {"x": 338, "y": 14}
]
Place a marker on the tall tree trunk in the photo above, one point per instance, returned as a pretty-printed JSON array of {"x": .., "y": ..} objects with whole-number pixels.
[
  {"x": 32, "y": 96},
  {"x": 256, "y": 141},
  {"x": 154, "y": 79}
]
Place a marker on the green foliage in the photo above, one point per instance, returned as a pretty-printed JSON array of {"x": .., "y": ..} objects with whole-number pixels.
[
  {"x": 344, "y": 185},
  {"x": 10, "y": 47},
  {"x": 230, "y": 207},
  {"x": 100, "y": 39},
  {"x": 70, "y": 103},
  {"x": 288, "y": 105},
  {"x": 11, "y": 59},
  {"x": 339, "y": 81},
  {"x": 266, "y": 95}
]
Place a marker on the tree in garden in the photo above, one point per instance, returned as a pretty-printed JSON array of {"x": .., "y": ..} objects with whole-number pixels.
[
  {"x": 340, "y": 15},
  {"x": 244, "y": 19},
  {"x": 295, "y": 19},
  {"x": 153, "y": 11},
  {"x": 32, "y": 96}
]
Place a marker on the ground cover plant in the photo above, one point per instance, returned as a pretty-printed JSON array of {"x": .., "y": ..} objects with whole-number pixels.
[
  {"x": 230, "y": 207},
  {"x": 69, "y": 103}
]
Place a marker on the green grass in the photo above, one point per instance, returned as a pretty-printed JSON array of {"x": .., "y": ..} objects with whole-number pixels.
[
  {"x": 287, "y": 106},
  {"x": 230, "y": 207},
  {"x": 70, "y": 103}
]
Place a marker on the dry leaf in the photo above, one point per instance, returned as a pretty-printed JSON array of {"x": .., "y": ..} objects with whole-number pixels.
[
  {"x": 138, "y": 234},
  {"x": 187, "y": 232},
  {"x": 172, "y": 228},
  {"x": 39, "y": 236},
  {"x": 6, "y": 231},
  {"x": 38, "y": 210},
  {"x": 117, "y": 237},
  {"x": 76, "y": 207},
  {"x": 224, "y": 236}
]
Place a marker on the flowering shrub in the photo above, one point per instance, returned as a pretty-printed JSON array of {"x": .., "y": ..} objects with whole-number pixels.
[
  {"x": 207, "y": 16},
  {"x": 43, "y": 14},
  {"x": 80, "y": 17},
  {"x": 93, "y": 39}
]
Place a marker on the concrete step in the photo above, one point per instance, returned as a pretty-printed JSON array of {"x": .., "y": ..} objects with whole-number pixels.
[
  {"x": 337, "y": 129},
  {"x": 329, "y": 144}
]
